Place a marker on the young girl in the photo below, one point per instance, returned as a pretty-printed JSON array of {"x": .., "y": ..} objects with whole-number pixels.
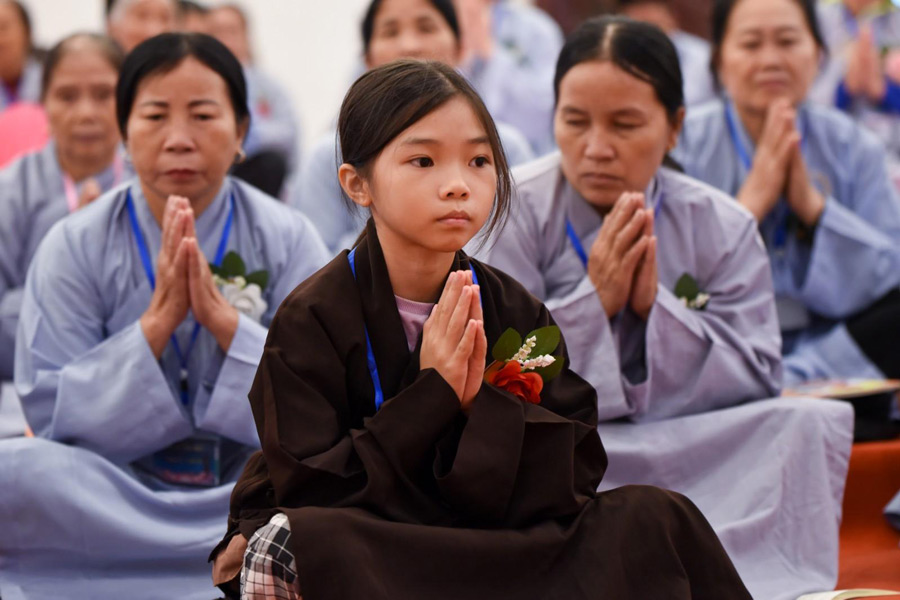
[{"x": 388, "y": 468}]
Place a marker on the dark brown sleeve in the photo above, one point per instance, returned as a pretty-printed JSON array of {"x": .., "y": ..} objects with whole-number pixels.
[
  {"x": 516, "y": 462},
  {"x": 315, "y": 456}
]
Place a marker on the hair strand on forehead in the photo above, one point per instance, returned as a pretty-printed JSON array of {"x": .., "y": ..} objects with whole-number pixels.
[{"x": 390, "y": 99}]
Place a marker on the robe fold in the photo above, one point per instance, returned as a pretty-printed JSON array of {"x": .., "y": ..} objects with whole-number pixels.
[
  {"x": 853, "y": 258},
  {"x": 86, "y": 511},
  {"x": 676, "y": 393},
  {"x": 418, "y": 500}
]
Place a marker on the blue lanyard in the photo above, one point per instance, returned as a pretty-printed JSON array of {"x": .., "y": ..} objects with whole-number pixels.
[
  {"x": 148, "y": 269},
  {"x": 579, "y": 248},
  {"x": 370, "y": 354},
  {"x": 782, "y": 211}
]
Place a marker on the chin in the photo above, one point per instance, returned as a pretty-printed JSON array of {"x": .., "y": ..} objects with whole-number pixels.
[{"x": 601, "y": 200}]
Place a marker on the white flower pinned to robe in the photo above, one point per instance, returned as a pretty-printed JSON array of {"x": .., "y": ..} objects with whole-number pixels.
[
  {"x": 242, "y": 291},
  {"x": 688, "y": 291}
]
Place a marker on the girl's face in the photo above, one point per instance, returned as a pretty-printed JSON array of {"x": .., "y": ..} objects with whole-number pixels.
[
  {"x": 433, "y": 186},
  {"x": 13, "y": 42},
  {"x": 80, "y": 103},
  {"x": 182, "y": 134},
  {"x": 612, "y": 131},
  {"x": 768, "y": 52},
  {"x": 411, "y": 29},
  {"x": 139, "y": 20}
]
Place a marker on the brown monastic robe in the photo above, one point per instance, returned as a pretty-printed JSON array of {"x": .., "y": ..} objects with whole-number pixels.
[{"x": 419, "y": 501}]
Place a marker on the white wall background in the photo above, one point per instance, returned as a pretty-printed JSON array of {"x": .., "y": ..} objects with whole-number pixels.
[{"x": 311, "y": 46}]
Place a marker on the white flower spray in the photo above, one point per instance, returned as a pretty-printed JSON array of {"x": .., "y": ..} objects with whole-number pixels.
[{"x": 529, "y": 364}]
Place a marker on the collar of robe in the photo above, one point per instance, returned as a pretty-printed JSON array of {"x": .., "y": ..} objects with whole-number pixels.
[{"x": 397, "y": 366}]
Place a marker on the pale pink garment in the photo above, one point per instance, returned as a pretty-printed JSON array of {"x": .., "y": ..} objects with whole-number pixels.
[
  {"x": 23, "y": 129},
  {"x": 413, "y": 316}
]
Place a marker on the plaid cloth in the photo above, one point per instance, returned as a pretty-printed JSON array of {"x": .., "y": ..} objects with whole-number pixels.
[{"x": 269, "y": 568}]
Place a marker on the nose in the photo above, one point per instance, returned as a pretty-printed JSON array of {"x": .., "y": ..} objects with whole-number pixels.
[
  {"x": 598, "y": 148},
  {"x": 411, "y": 45},
  {"x": 770, "y": 55},
  {"x": 178, "y": 139},
  {"x": 455, "y": 188}
]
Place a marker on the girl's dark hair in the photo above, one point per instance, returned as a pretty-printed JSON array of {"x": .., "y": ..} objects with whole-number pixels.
[
  {"x": 386, "y": 101},
  {"x": 161, "y": 54},
  {"x": 721, "y": 13},
  {"x": 640, "y": 49},
  {"x": 104, "y": 45},
  {"x": 445, "y": 7}
]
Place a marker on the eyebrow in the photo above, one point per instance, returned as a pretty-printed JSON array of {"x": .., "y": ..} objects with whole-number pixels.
[
  {"x": 191, "y": 104},
  {"x": 573, "y": 110},
  {"x": 433, "y": 142}
]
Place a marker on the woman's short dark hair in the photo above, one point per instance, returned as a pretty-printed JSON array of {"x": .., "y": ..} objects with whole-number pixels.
[
  {"x": 721, "y": 13},
  {"x": 163, "y": 53},
  {"x": 107, "y": 48},
  {"x": 638, "y": 48},
  {"x": 445, "y": 7},
  {"x": 387, "y": 100}
]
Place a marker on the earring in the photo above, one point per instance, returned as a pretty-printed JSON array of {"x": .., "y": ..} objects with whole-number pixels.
[{"x": 241, "y": 156}]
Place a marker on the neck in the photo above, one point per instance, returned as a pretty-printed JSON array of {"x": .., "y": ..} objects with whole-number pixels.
[
  {"x": 80, "y": 168},
  {"x": 753, "y": 122},
  {"x": 416, "y": 273},
  {"x": 157, "y": 203}
]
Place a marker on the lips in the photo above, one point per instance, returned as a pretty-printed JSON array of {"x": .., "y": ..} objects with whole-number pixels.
[
  {"x": 181, "y": 173},
  {"x": 456, "y": 217},
  {"x": 602, "y": 179}
]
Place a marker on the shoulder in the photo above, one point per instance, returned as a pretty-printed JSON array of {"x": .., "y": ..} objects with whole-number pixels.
[
  {"x": 699, "y": 197},
  {"x": 272, "y": 216},
  {"x": 532, "y": 17},
  {"x": 703, "y": 118},
  {"x": 834, "y": 130},
  {"x": 536, "y": 184}
]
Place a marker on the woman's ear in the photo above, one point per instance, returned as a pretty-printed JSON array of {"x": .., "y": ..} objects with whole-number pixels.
[
  {"x": 355, "y": 185},
  {"x": 675, "y": 130}
]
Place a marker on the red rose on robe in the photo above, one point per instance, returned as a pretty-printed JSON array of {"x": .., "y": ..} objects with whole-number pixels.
[{"x": 527, "y": 386}]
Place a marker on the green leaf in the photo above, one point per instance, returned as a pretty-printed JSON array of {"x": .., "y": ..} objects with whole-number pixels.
[
  {"x": 507, "y": 346},
  {"x": 687, "y": 287},
  {"x": 217, "y": 270},
  {"x": 548, "y": 373},
  {"x": 260, "y": 278},
  {"x": 547, "y": 340},
  {"x": 233, "y": 265}
]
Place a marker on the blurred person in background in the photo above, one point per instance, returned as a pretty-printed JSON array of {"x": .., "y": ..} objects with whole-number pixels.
[
  {"x": 130, "y": 22},
  {"x": 82, "y": 160},
  {"x": 193, "y": 17},
  {"x": 693, "y": 51},
  {"x": 274, "y": 138},
  {"x": 20, "y": 71},
  {"x": 861, "y": 72},
  {"x": 391, "y": 30},
  {"x": 509, "y": 51}
]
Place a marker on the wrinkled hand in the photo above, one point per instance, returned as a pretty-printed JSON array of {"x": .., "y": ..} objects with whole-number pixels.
[
  {"x": 768, "y": 174},
  {"x": 646, "y": 277},
  {"x": 210, "y": 308},
  {"x": 90, "y": 191},
  {"x": 865, "y": 74},
  {"x": 804, "y": 199},
  {"x": 452, "y": 341},
  {"x": 171, "y": 298},
  {"x": 615, "y": 254}
]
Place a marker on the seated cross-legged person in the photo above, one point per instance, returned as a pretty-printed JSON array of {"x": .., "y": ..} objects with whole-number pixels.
[
  {"x": 663, "y": 291},
  {"x": 816, "y": 184},
  {"x": 133, "y": 362},
  {"x": 81, "y": 161},
  {"x": 397, "y": 461},
  {"x": 391, "y": 30}
]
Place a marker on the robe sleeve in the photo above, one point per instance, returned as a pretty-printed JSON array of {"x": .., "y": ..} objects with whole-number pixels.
[
  {"x": 518, "y": 463},
  {"x": 683, "y": 361},
  {"x": 856, "y": 249},
  {"x": 78, "y": 386},
  {"x": 13, "y": 241},
  {"x": 222, "y": 406}
]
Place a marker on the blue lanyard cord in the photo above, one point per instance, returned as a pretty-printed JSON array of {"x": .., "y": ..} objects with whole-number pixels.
[
  {"x": 370, "y": 354},
  {"x": 144, "y": 251},
  {"x": 782, "y": 212},
  {"x": 579, "y": 247}
]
